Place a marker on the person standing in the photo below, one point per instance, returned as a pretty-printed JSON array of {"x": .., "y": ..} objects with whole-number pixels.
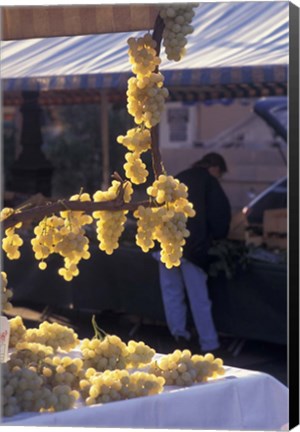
[{"x": 211, "y": 222}]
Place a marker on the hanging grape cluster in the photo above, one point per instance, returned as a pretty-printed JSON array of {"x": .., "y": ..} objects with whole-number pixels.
[
  {"x": 177, "y": 19},
  {"x": 164, "y": 219},
  {"x": 12, "y": 241},
  {"x": 166, "y": 224},
  {"x": 110, "y": 224}
]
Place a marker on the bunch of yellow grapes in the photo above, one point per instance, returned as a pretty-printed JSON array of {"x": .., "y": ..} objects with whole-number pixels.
[
  {"x": 135, "y": 168},
  {"x": 62, "y": 370},
  {"x": 171, "y": 234},
  {"x": 146, "y": 99},
  {"x": 74, "y": 246},
  {"x": 110, "y": 224},
  {"x": 138, "y": 354},
  {"x": 147, "y": 221},
  {"x": 6, "y": 293},
  {"x": 47, "y": 235},
  {"x": 137, "y": 140},
  {"x": 101, "y": 354},
  {"x": 145, "y": 95},
  {"x": 166, "y": 224},
  {"x": 11, "y": 242},
  {"x": 118, "y": 385},
  {"x": 167, "y": 189},
  {"x": 17, "y": 331},
  {"x": 27, "y": 353},
  {"x": 24, "y": 389},
  {"x": 63, "y": 235},
  {"x": 54, "y": 335},
  {"x": 177, "y": 19},
  {"x": 181, "y": 368},
  {"x": 142, "y": 55}
]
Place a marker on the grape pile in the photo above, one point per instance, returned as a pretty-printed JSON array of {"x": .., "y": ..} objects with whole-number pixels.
[
  {"x": 6, "y": 294},
  {"x": 181, "y": 368},
  {"x": 17, "y": 331},
  {"x": 36, "y": 378},
  {"x": 54, "y": 335},
  {"x": 177, "y": 19},
  {"x": 23, "y": 389},
  {"x": 118, "y": 385},
  {"x": 110, "y": 224}
]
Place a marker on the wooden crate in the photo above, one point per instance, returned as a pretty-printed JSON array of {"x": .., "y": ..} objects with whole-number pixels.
[{"x": 275, "y": 228}]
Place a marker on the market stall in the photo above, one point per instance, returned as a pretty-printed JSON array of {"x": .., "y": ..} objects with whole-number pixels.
[
  {"x": 244, "y": 399},
  {"x": 224, "y": 61}
]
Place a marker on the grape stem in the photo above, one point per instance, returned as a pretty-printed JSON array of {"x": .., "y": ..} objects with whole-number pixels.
[
  {"x": 157, "y": 164},
  {"x": 39, "y": 212},
  {"x": 99, "y": 333}
]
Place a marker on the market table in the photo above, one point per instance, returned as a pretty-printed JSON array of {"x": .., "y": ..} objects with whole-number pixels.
[{"x": 239, "y": 400}]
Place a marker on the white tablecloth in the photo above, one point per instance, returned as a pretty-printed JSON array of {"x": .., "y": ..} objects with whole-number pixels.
[{"x": 239, "y": 400}]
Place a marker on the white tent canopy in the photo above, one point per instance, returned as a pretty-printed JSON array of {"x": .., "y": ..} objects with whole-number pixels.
[{"x": 233, "y": 43}]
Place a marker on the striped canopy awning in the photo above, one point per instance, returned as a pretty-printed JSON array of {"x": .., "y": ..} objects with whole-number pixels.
[{"x": 237, "y": 49}]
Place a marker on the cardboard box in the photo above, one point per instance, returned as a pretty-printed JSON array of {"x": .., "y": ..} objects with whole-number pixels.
[
  {"x": 275, "y": 221},
  {"x": 275, "y": 228},
  {"x": 273, "y": 242}
]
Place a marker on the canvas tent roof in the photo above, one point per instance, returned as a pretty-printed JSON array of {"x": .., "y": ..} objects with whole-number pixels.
[{"x": 241, "y": 45}]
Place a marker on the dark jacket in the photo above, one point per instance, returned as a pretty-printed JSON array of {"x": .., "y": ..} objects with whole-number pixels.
[{"x": 213, "y": 214}]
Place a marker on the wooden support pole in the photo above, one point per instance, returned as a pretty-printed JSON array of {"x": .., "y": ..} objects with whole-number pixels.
[{"x": 104, "y": 121}]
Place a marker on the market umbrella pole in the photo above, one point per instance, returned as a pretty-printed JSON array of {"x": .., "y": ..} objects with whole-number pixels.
[{"x": 104, "y": 120}]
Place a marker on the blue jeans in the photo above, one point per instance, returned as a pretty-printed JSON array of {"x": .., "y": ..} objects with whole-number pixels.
[{"x": 173, "y": 284}]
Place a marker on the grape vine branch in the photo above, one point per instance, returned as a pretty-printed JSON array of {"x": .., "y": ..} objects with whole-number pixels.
[{"x": 39, "y": 212}]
